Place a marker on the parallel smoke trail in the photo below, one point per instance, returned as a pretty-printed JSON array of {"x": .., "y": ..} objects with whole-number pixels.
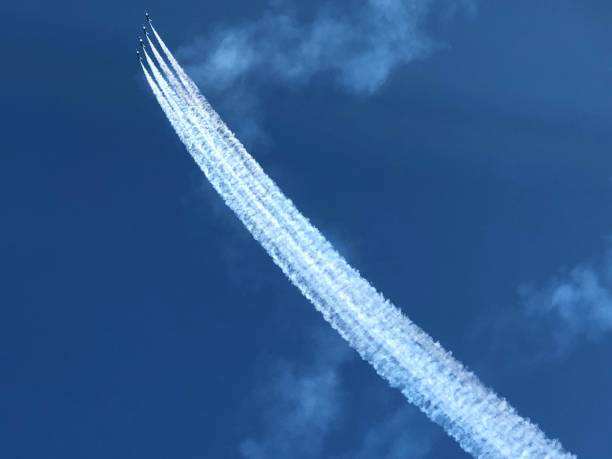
[
  {"x": 484, "y": 425},
  {"x": 311, "y": 245},
  {"x": 265, "y": 229}
]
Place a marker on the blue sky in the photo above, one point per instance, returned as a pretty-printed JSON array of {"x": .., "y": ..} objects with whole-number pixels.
[{"x": 458, "y": 155}]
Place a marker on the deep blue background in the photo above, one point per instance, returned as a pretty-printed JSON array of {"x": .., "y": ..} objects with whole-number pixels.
[{"x": 136, "y": 315}]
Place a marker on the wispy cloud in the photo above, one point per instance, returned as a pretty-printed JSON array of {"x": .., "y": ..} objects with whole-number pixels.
[
  {"x": 299, "y": 405},
  {"x": 399, "y": 436},
  {"x": 302, "y": 406},
  {"x": 358, "y": 44},
  {"x": 550, "y": 319},
  {"x": 576, "y": 305}
]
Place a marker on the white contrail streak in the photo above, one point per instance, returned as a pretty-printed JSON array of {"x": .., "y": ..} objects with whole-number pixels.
[{"x": 484, "y": 424}]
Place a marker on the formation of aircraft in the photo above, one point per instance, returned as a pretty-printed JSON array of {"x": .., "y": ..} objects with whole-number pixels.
[{"x": 146, "y": 33}]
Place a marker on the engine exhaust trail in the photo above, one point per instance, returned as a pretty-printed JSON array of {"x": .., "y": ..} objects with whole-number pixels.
[{"x": 483, "y": 424}]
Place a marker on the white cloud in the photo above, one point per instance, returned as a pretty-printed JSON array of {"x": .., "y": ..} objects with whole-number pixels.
[
  {"x": 302, "y": 406},
  {"x": 549, "y": 320},
  {"x": 357, "y": 43},
  {"x": 299, "y": 405},
  {"x": 360, "y": 44},
  {"x": 576, "y": 305}
]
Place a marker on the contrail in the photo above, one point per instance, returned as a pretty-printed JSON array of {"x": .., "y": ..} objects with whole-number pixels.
[{"x": 483, "y": 423}]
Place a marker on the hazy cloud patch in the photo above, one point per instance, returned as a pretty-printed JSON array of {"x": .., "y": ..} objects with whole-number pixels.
[
  {"x": 358, "y": 44},
  {"x": 299, "y": 404},
  {"x": 577, "y": 304},
  {"x": 399, "y": 436},
  {"x": 302, "y": 406},
  {"x": 549, "y": 320}
]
